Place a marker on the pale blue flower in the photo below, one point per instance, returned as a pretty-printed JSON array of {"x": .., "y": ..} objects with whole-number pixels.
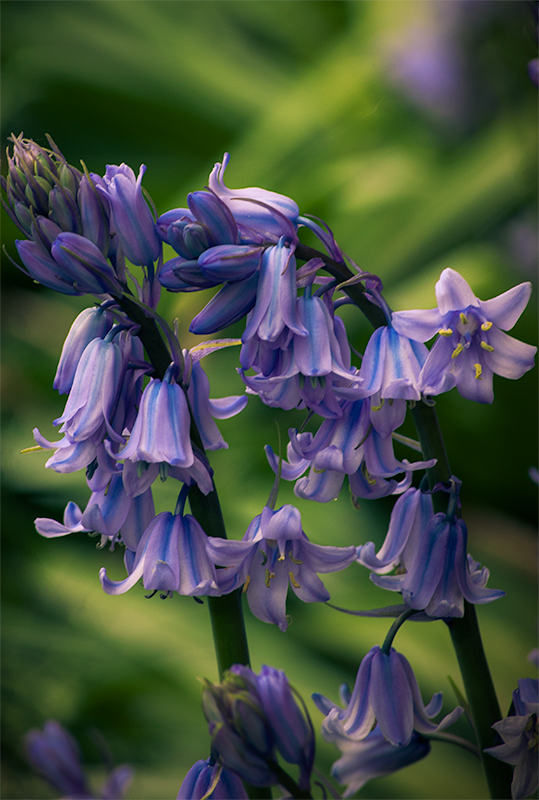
[
  {"x": 471, "y": 345},
  {"x": 385, "y": 691}
]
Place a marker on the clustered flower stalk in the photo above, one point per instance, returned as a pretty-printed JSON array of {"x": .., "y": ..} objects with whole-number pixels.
[{"x": 91, "y": 234}]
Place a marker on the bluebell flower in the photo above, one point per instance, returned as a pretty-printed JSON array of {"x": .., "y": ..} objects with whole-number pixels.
[
  {"x": 520, "y": 734},
  {"x": 440, "y": 575},
  {"x": 410, "y": 516},
  {"x": 385, "y": 691},
  {"x": 161, "y": 430},
  {"x": 391, "y": 365},
  {"x": 170, "y": 557},
  {"x": 92, "y": 323},
  {"x": 273, "y": 554},
  {"x": 471, "y": 345},
  {"x": 54, "y": 752},
  {"x": 358, "y": 444},
  {"x": 252, "y": 718},
  {"x": 132, "y": 219},
  {"x": 205, "y": 774},
  {"x": 373, "y": 757}
]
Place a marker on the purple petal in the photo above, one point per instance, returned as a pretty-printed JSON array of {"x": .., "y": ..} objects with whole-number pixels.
[{"x": 453, "y": 293}]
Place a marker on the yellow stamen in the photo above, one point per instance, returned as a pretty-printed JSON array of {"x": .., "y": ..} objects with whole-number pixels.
[
  {"x": 293, "y": 581},
  {"x": 486, "y": 326},
  {"x": 246, "y": 584},
  {"x": 319, "y": 470},
  {"x": 457, "y": 351},
  {"x": 33, "y": 449},
  {"x": 377, "y": 408},
  {"x": 367, "y": 475},
  {"x": 488, "y": 347},
  {"x": 478, "y": 371},
  {"x": 294, "y": 560},
  {"x": 445, "y": 332},
  {"x": 269, "y": 576},
  {"x": 281, "y": 558},
  {"x": 463, "y": 318}
]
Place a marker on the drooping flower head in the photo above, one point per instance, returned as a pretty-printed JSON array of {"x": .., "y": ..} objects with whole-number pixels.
[
  {"x": 385, "y": 691},
  {"x": 471, "y": 345},
  {"x": 204, "y": 775},
  {"x": 273, "y": 554}
]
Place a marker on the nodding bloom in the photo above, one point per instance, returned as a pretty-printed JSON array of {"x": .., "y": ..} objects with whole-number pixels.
[
  {"x": 431, "y": 549},
  {"x": 132, "y": 220},
  {"x": 205, "y": 774},
  {"x": 253, "y": 717},
  {"x": 273, "y": 554},
  {"x": 520, "y": 734},
  {"x": 161, "y": 433},
  {"x": 373, "y": 756},
  {"x": 358, "y": 444},
  {"x": 54, "y": 753},
  {"x": 385, "y": 691},
  {"x": 471, "y": 345},
  {"x": 170, "y": 557},
  {"x": 92, "y": 323},
  {"x": 391, "y": 365}
]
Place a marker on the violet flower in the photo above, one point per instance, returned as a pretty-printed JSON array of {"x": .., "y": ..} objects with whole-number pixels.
[
  {"x": 274, "y": 553},
  {"x": 92, "y": 323},
  {"x": 161, "y": 430},
  {"x": 391, "y": 365},
  {"x": 440, "y": 576},
  {"x": 132, "y": 219},
  {"x": 170, "y": 557},
  {"x": 471, "y": 345},
  {"x": 385, "y": 691},
  {"x": 205, "y": 774},
  {"x": 520, "y": 736}
]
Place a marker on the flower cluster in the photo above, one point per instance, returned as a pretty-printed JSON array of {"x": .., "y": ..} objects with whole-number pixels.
[{"x": 138, "y": 407}]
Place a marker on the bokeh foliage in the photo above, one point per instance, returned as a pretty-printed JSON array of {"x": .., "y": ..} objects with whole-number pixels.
[{"x": 410, "y": 127}]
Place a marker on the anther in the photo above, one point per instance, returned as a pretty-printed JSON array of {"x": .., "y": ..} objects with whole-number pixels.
[
  {"x": 463, "y": 318},
  {"x": 488, "y": 347},
  {"x": 457, "y": 351},
  {"x": 445, "y": 332},
  {"x": 294, "y": 560},
  {"x": 486, "y": 326},
  {"x": 293, "y": 581},
  {"x": 478, "y": 371},
  {"x": 246, "y": 584}
]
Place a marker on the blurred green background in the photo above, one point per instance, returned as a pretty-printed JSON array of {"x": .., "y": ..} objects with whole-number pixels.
[{"x": 411, "y": 128}]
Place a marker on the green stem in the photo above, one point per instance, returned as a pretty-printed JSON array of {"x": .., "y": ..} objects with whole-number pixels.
[
  {"x": 481, "y": 696},
  {"x": 226, "y": 611},
  {"x": 465, "y": 633},
  {"x": 451, "y": 738},
  {"x": 388, "y": 641},
  {"x": 288, "y": 782}
]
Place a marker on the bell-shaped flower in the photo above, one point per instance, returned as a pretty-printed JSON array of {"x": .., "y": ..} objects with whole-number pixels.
[
  {"x": 92, "y": 323},
  {"x": 273, "y": 554},
  {"x": 161, "y": 429},
  {"x": 520, "y": 734},
  {"x": 352, "y": 445},
  {"x": 391, "y": 365},
  {"x": 42, "y": 268},
  {"x": 471, "y": 345},
  {"x": 385, "y": 691},
  {"x": 410, "y": 516},
  {"x": 210, "y": 776},
  {"x": 373, "y": 757},
  {"x": 440, "y": 576},
  {"x": 132, "y": 219},
  {"x": 94, "y": 393},
  {"x": 170, "y": 557}
]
